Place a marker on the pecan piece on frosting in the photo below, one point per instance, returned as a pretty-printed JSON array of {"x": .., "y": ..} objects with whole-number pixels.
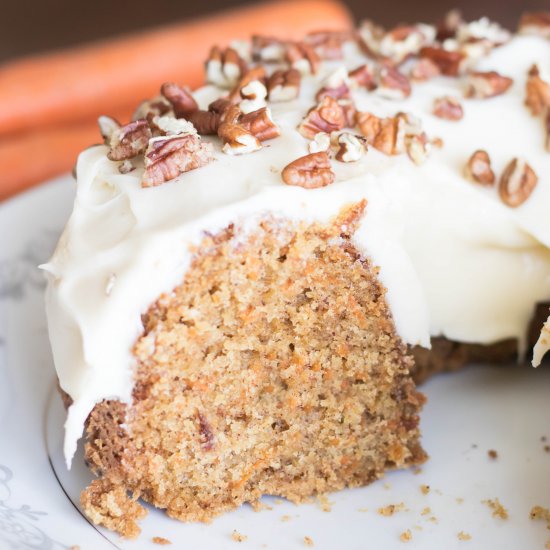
[
  {"x": 335, "y": 85},
  {"x": 268, "y": 49},
  {"x": 417, "y": 147},
  {"x": 169, "y": 156},
  {"x": 260, "y": 124},
  {"x": 310, "y": 171},
  {"x": 450, "y": 63},
  {"x": 350, "y": 147},
  {"x": 107, "y": 125},
  {"x": 237, "y": 140},
  {"x": 150, "y": 108},
  {"x": 182, "y": 101},
  {"x": 302, "y": 57},
  {"x": 517, "y": 183},
  {"x": 254, "y": 95},
  {"x": 478, "y": 168},
  {"x": 129, "y": 140},
  {"x": 256, "y": 75},
  {"x": 393, "y": 84},
  {"x": 321, "y": 142},
  {"x": 448, "y": 108},
  {"x": 424, "y": 69},
  {"x": 363, "y": 77},
  {"x": 224, "y": 67},
  {"x": 537, "y": 92},
  {"x": 328, "y": 116},
  {"x": 369, "y": 125},
  {"x": 328, "y": 44},
  {"x": 537, "y": 23},
  {"x": 483, "y": 85},
  {"x": 206, "y": 122},
  {"x": 284, "y": 85}
]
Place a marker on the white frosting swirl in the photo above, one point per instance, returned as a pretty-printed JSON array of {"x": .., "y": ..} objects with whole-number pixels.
[{"x": 456, "y": 261}]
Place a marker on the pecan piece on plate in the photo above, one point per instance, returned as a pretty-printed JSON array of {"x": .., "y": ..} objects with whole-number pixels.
[
  {"x": 283, "y": 85},
  {"x": 517, "y": 183},
  {"x": 335, "y": 85},
  {"x": 260, "y": 124},
  {"x": 129, "y": 140},
  {"x": 310, "y": 171},
  {"x": 350, "y": 147},
  {"x": 328, "y": 116},
  {"x": 448, "y": 108},
  {"x": 537, "y": 92},
  {"x": 478, "y": 168},
  {"x": 537, "y": 23},
  {"x": 450, "y": 63},
  {"x": 169, "y": 156},
  {"x": 483, "y": 85},
  {"x": 182, "y": 101},
  {"x": 224, "y": 67}
]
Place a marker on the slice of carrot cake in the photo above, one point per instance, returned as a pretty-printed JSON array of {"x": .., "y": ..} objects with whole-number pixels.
[{"x": 234, "y": 300}]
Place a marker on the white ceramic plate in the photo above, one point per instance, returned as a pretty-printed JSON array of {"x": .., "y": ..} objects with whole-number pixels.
[{"x": 468, "y": 413}]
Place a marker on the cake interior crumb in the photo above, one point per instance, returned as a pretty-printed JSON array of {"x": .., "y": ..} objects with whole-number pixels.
[
  {"x": 498, "y": 509},
  {"x": 161, "y": 540},
  {"x": 238, "y": 537}
]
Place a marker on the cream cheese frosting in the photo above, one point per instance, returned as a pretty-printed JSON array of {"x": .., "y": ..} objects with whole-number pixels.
[{"x": 456, "y": 261}]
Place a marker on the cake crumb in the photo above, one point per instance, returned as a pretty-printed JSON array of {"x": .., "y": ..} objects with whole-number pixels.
[
  {"x": 259, "y": 506},
  {"x": 539, "y": 512},
  {"x": 308, "y": 541},
  {"x": 547, "y": 448},
  {"x": 464, "y": 536},
  {"x": 493, "y": 455},
  {"x": 391, "y": 509},
  {"x": 238, "y": 537},
  {"x": 285, "y": 518},
  {"x": 543, "y": 438},
  {"x": 406, "y": 536},
  {"x": 498, "y": 509},
  {"x": 417, "y": 471},
  {"x": 324, "y": 503},
  {"x": 161, "y": 540},
  {"x": 425, "y": 489}
]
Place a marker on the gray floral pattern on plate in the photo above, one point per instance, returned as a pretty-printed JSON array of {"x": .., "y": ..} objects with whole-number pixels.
[
  {"x": 18, "y": 525},
  {"x": 21, "y": 272}
]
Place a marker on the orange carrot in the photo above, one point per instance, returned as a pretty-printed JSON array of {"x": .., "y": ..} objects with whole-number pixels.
[{"x": 85, "y": 82}]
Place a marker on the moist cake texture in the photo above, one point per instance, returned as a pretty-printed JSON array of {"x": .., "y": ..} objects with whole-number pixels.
[{"x": 255, "y": 273}]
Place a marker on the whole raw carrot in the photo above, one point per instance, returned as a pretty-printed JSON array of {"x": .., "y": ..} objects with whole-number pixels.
[{"x": 88, "y": 81}]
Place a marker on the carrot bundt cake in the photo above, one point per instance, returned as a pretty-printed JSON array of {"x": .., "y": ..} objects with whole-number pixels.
[{"x": 255, "y": 272}]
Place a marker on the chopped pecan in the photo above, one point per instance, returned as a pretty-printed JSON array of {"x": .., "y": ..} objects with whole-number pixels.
[
  {"x": 327, "y": 117},
  {"x": 256, "y": 74},
  {"x": 369, "y": 124},
  {"x": 478, "y": 168},
  {"x": 517, "y": 183},
  {"x": 350, "y": 147},
  {"x": 237, "y": 139},
  {"x": 335, "y": 85},
  {"x": 449, "y": 25},
  {"x": 283, "y": 85},
  {"x": 254, "y": 95},
  {"x": 154, "y": 107},
  {"x": 310, "y": 171},
  {"x": 483, "y": 85},
  {"x": 363, "y": 77},
  {"x": 224, "y": 67},
  {"x": 182, "y": 101},
  {"x": 370, "y": 36},
  {"x": 220, "y": 105},
  {"x": 129, "y": 140},
  {"x": 320, "y": 142},
  {"x": 169, "y": 156},
  {"x": 424, "y": 69},
  {"x": 450, "y": 63},
  {"x": 126, "y": 166},
  {"x": 405, "y": 40},
  {"x": 169, "y": 125},
  {"x": 448, "y": 108},
  {"x": 206, "y": 122},
  {"x": 349, "y": 109},
  {"x": 268, "y": 49},
  {"x": 393, "y": 84},
  {"x": 537, "y": 91},
  {"x": 260, "y": 124},
  {"x": 483, "y": 30},
  {"x": 302, "y": 56},
  {"x": 537, "y": 23},
  {"x": 417, "y": 147},
  {"x": 328, "y": 44},
  {"x": 107, "y": 126},
  {"x": 390, "y": 139}
]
